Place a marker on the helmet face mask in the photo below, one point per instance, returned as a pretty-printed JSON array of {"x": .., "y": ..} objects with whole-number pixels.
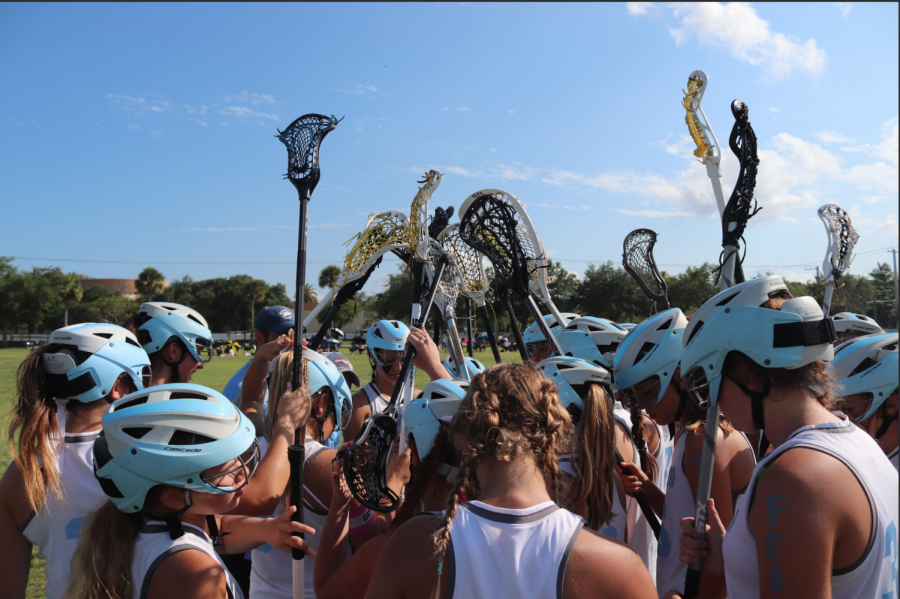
[
  {"x": 643, "y": 395},
  {"x": 238, "y": 476}
]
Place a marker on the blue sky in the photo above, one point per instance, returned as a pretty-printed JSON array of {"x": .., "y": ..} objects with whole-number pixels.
[{"x": 134, "y": 135}]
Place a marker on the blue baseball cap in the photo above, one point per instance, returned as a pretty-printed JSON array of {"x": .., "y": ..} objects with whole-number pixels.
[{"x": 277, "y": 319}]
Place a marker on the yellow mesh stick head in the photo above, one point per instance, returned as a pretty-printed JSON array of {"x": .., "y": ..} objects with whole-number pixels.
[
  {"x": 418, "y": 212},
  {"x": 468, "y": 261},
  {"x": 383, "y": 229}
]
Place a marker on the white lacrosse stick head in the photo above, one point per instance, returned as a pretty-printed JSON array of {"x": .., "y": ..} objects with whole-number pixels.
[
  {"x": 418, "y": 213},
  {"x": 698, "y": 125},
  {"x": 842, "y": 238},
  {"x": 470, "y": 264}
]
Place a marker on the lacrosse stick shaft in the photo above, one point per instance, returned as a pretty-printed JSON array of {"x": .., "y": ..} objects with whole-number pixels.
[
  {"x": 296, "y": 458},
  {"x": 489, "y": 329},
  {"x": 470, "y": 328},
  {"x": 728, "y": 267},
  {"x": 314, "y": 313},
  {"x": 454, "y": 346},
  {"x": 648, "y": 512},
  {"x": 408, "y": 376},
  {"x": 829, "y": 292},
  {"x": 514, "y": 325},
  {"x": 326, "y": 324},
  {"x": 704, "y": 487},
  {"x": 542, "y": 324}
]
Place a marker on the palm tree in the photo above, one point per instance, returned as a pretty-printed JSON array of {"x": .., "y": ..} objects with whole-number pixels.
[
  {"x": 309, "y": 296},
  {"x": 71, "y": 292},
  {"x": 149, "y": 283},
  {"x": 329, "y": 276},
  {"x": 257, "y": 291}
]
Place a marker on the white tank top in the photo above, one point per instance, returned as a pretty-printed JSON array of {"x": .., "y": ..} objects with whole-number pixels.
[
  {"x": 894, "y": 458},
  {"x": 641, "y": 538},
  {"x": 271, "y": 574},
  {"x": 615, "y": 528},
  {"x": 496, "y": 552},
  {"x": 679, "y": 503},
  {"x": 875, "y": 576},
  {"x": 154, "y": 545},
  {"x": 377, "y": 401},
  {"x": 56, "y": 529}
]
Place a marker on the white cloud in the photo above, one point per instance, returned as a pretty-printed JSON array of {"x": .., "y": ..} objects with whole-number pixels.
[
  {"x": 830, "y": 137},
  {"x": 136, "y": 105},
  {"x": 242, "y": 112},
  {"x": 652, "y": 213},
  {"x": 135, "y": 127},
  {"x": 462, "y": 172},
  {"x": 683, "y": 146},
  {"x": 638, "y": 9},
  {"x": 844, "y": 8},
  {"x": 463, "y": 109},
  {"x": 252, "y": 98},
  {"x": 772, "y": 109},
  {"x": 511, "y": 111},
  {"x": 737, "y": 28},
  {"x": 362, "y": 89}
]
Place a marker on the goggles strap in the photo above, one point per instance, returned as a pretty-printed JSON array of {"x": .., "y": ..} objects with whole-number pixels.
[
  {"x": 173, "y": 519},
  {"x": 756, "y": 399},
  {"x": 174, "y": 365},
  {"x": 887, "y": 419}
]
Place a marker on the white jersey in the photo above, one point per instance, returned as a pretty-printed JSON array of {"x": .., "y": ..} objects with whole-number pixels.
[
  {"x": 679, "y": 503},
  {"x": 894, "y": 458},
  {"x": 875, "y": 575},
  {"x": 56, "y": 529},
  {"x": 615, "y": 528},
  {"x": 641, "y": 538},
  {"x": 377, "y": 401},
  {"x": 271, "y": 576},
  {"x": 496, "y": 552},
  {"x": 153, "y": 545}
]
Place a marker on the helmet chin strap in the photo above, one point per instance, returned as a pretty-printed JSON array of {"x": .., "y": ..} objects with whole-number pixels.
[
  {"x": 887, "y": 419},
  {"x": 682, "y": 403},
  {"x": 173, "y": 519},
  {"x": 756, "y": 399}
]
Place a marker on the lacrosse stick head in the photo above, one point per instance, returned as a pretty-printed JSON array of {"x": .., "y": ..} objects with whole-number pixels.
[
  {"x": 439, "y": 221},
  {"x": 741, "y": 206},
  {"x": 384, "y": 232},
  {"x": 302, "y": 138},
  {"x": 707, "y": 149},
  {"x": 488, "y": 224},
  {"x": 418, "y": 213},
  {"x": 637, "y": 258},
  {"x": 474, "y": 284},
  {"x": 448, "y": 287},
  {"x": 365, "y": 463},
  {"x": 842, "y": 238}
]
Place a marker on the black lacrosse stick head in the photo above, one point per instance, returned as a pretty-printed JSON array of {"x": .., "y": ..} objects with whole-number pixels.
[
  {"x": 489, "y": 227},
  {"x": 637, "y": 258},
  {"x": 302, "y": 138},
  {"x": 439, "y": 221},
  {"x": 365, "y": 464},
  {"x": 741, "y": 206}
]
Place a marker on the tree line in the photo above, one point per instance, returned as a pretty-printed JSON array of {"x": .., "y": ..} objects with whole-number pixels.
[{"x": 46, "y": 298}]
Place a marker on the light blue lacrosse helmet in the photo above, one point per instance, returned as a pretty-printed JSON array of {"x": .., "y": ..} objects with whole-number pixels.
[
  {"x": 422, "y": 418},
  {"x": 473, "y": 366},
  {"x": 169, "y": 435},
  {"x": 388, "y": 335},
  {"x": 855, "y": 325},
  {"x": 571, "y": 375},
  {"x": 792, "y": 337},
  {"x": 591, "y": 338},
  {"x": 323, "y": 373},
  {"x": 92, "y": 356},
  {"x": 164, "y": 320},
  {"x": 868, "y": 365},
  {"x": 651, "y": 348},
  {"x": 533, "y": 334}
]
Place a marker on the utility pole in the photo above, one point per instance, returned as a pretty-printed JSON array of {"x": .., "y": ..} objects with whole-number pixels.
[
  {"x": 816, "y": 268},
  {"x": 896, "y": 289}
]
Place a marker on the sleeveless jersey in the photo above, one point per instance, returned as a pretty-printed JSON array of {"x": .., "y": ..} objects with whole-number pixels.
[
  {"x": 56, "y": 529},
  {"x": 641, "y": 537},
  {"x": 271, "y": 576},
  {"x": 377, "y": 402},
  {"x": 894, "y": 458},
  {"x": 615, "y": 528},
  {"x": 496, "y": 552},
  {"x": 154, "y": 545},
  {"x": 875, "y": 575},
  {"x": 679, "y": 503}
]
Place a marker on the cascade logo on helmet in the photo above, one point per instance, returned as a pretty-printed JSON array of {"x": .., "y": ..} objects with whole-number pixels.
[{"x": 182, "y": 449}]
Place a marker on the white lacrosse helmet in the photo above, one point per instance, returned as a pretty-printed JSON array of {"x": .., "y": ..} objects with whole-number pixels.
[
  {"x": 572, "y": 376},
  {"x": 533, "y": 334},
  {"x": 591, "y": 338},
  {"x": 848, "y": 325},
  {"x": 652, "y": 348},
  {"x": 867, "y": 365}
]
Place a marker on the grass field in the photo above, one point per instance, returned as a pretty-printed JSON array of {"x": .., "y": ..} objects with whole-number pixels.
[{"x": 215, "y": 374}]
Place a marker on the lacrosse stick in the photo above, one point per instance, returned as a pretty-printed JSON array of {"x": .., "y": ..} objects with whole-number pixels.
[
  {"x": 842, "y": 238},
  {"x": 637, "y": 258},
  {"x": 419, "y": 246},
  {"x": 365, "y": 461},
  {"x": 499, "y": 228},
  {"x": 384, "y": 232},
  {"x": 302, "y": 138},
  {"x": 701, "y": 131},
  {"x": 472, "y": 278},
  {"x": 448, "y": 293},
  {"x": 739, "y": 209},
  {"x": 470, "y": 326},
  {"x": 734, "y": 220}
]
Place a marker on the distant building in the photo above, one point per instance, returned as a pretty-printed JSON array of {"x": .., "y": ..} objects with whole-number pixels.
[{"x": 124, "y": 286}]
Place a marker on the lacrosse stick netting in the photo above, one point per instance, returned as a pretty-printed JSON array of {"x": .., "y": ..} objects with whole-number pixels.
[
  {"x": 842, "y": 238},
  {"x": 418, "y": 213},
  {"x": 489, "y": 225},
  {"x": 637, "y": 258},
  {"x": 303, "y": 138}
]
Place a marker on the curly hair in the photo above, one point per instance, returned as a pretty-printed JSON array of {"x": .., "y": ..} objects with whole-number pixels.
[{"x": 510, "y": 411}]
